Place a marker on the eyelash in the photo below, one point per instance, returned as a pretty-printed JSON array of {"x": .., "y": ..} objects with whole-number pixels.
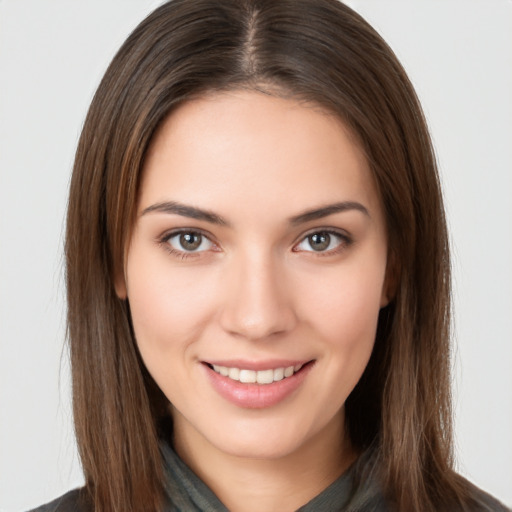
[
  {"x": 345, "y": 241},
  {"x": 164, "y": 241}
]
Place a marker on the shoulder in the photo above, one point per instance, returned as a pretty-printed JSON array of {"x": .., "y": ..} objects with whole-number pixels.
[
  {"x": 72, "y": 501},
  {"x": 484, "y": 502}
]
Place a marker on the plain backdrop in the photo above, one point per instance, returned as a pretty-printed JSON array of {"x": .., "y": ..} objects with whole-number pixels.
[{"x": 52, "y": 55}]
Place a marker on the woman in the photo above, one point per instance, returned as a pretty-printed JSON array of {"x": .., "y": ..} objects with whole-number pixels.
[{"x": 257, "y": 270}]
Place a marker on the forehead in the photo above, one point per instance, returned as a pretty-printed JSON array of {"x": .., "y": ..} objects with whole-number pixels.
[{"x": 255, "y": 149}]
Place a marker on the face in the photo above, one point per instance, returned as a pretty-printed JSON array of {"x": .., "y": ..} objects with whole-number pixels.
[{"x": 256, "y": 271}]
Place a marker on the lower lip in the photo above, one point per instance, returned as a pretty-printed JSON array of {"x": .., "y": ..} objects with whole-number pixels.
[{"x": 256, "y": 396}]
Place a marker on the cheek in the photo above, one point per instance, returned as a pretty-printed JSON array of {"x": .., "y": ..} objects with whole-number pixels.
[
  {"x": 345, "y": 304},
  {"x": 343, "y": 310},
  {"x": 168, "y": 306},
  {"x": 169, "y": 309}
]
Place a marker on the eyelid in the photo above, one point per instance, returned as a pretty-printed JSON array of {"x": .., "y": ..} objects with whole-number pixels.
[
  {"x": 346, "y": 240},
  {"x": 164, "y": 238}
]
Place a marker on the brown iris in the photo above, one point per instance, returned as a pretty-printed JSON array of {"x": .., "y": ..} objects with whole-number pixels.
[
  {"x": 190, "y": 241},
  {"x": 319, "y": 241}
]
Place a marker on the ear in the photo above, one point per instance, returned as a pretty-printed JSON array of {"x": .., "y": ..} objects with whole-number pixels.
[
  {"x": 391, "y": 281},
  {"x": 120, "y": 285}
]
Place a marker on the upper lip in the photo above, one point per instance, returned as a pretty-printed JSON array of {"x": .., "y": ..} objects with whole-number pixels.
[{"x": 268, "y": 364}]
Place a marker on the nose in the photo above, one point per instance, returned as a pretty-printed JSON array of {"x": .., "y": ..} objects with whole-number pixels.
[{"x": 258, "y": 301}]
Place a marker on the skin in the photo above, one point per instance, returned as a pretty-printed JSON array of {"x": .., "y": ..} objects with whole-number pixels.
[{"x": 255, "y": 289}]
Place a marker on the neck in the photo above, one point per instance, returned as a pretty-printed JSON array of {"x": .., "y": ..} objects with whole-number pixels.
[{"x": 284, "y": 483}]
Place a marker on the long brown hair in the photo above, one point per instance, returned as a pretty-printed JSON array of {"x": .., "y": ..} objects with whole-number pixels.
[{"x": 320, "y": 51}]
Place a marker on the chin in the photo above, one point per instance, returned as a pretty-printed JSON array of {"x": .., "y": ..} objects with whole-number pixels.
[
  {"x": 261, "y": 449},
  {"x": 262, "y": 440}
]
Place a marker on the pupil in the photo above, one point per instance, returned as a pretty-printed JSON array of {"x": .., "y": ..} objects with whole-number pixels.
[
  {"x": 319, "y": 241},
  {"x": 190, "y": 241}
]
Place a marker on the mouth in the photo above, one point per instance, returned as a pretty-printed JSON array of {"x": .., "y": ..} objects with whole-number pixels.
[
  {"x": 267, "y": 376},
  {"x": 260, "y": 385},
  {"x": 257, "y": 385}
]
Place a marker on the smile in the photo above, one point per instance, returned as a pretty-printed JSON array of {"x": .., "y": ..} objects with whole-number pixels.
[
  {"x": 257, "y": 377},
  {"x": 257, "y": 385}
]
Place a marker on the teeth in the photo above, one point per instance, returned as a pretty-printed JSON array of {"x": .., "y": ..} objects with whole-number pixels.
[
  {"x": 247, "y": 376},
  {"x": 279, "y": 374},
  {"x": 234, "y": 373},
  {"x": 261, "y": 376},
  {"x": 265, "y": 377}
]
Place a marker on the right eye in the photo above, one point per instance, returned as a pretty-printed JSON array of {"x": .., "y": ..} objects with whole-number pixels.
[{"x": 189, "y": 241}]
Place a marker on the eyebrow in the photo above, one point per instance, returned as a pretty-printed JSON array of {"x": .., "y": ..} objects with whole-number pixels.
[
  {"x": 184, "y": 210},
  {"x": 192, "y": 212},
  {"x": 325, "y": 211}
]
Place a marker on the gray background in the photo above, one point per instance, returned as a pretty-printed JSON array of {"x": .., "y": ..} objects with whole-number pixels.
[{"x": 52, "y": 54}]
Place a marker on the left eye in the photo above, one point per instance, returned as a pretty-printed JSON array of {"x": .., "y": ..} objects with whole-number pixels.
[
  {"x": 321, "y": 241},
  {"x": 189, "y": 241}
]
